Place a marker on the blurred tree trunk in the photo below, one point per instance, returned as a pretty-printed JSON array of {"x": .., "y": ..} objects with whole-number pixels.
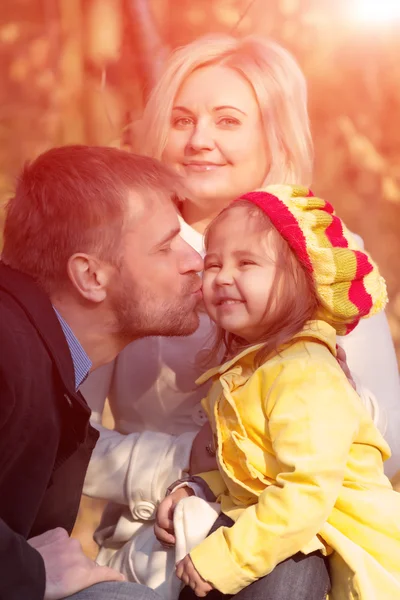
[
  {"x": 151, "y": 52},
  {"x": 102, "y": 51},
  {"x": 72, "y": 72}
]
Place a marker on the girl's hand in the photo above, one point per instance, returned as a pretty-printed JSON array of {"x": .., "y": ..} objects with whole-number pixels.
[
  {"x": 342, "y": 360},
  {"x": 186, "y": 572},
  {"x": 164, "y": 526}
]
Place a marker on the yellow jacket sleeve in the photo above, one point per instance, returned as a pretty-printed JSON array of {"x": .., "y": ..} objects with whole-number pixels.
[
  {"x": 215, "y": 482},
  {"x": 311, "y": 418},
  {"x": 213, "y": 479}
]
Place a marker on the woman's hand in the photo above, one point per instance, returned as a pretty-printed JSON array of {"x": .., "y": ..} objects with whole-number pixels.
[
  {"x": 342, "y": 360},
  {"x": 187, "y": 572},
  {"x": 164, "y": 526},
  {"x": 202, "y": 456}
]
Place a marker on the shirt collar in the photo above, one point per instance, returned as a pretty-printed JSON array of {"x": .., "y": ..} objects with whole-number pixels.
[
  {"x": 317, "y": 330},
  {"x": 81, "y": 361},
  {"x": 191, "y": 236}
]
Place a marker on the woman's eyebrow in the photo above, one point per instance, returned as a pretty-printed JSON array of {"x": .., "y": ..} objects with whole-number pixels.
[
  {"x": 182, "y": 109},
  {"x": 216, "y": 109},
  {"x": 225, "y": 106}
]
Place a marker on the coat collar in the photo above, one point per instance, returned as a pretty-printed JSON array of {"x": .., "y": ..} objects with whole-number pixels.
[
  {"x": 38, "y": 308},
  {"x": 314, "y": 330}
]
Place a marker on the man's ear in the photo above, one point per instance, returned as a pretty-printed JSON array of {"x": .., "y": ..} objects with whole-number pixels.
[{"x": 89, "y": 276}]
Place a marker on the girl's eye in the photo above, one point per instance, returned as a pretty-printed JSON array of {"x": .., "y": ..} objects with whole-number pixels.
[
  {"x": 182, "y": 122},
  {"x": 209, "y": 266},
  {"x": 246, "y": 263}
]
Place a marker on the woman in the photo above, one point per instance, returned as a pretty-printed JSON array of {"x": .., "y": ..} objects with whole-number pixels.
[{"x": 231, "y": 116}]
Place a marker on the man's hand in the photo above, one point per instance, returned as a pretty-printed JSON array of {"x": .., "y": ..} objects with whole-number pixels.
[
  {"x": 68, "y": 570},
  {"x": 186, "y": 572},
  {"x": 164, "y": 526},
  {"x": 200, "y": 459}
]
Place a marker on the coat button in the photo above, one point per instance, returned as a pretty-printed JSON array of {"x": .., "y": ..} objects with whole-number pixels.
[
  {"x": 144, "y": 510},
  {"x": 68, "y": 399},
  {"x": 198, "y": 415}
]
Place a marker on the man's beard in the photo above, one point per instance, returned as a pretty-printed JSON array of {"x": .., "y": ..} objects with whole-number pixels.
[{"x": 138, "y": 313}]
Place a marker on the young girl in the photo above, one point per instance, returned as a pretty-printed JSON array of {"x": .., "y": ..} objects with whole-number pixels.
[{"x": 300, "y": 460}]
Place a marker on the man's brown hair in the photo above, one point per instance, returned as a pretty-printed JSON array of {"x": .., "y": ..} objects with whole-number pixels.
[{"x": 75, "y": 199}]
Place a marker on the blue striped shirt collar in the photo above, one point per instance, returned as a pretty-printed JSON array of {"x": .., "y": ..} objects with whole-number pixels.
[{"x": 81, "y": 361}]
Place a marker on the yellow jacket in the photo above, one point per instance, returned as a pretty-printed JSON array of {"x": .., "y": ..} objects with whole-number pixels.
[{"x": 300, "y": 469}]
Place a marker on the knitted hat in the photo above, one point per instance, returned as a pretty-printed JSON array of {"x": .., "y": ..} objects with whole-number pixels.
[{"x": 347, "y": 281}]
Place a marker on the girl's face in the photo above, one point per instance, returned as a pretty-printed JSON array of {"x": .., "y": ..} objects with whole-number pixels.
[
  {"x": 239, "y": 271},
  {"x": 216, "y": 138}
]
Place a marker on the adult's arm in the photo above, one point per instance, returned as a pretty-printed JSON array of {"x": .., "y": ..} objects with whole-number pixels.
[
  {"x": 371, "y": 358},
  {"x": 132, "y": 469},
  {"x": 22, "y": 571},
  {"x": 27, "y": 570}
]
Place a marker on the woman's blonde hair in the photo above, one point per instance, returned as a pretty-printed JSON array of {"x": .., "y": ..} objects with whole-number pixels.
[{"x": 278, "y": 84}]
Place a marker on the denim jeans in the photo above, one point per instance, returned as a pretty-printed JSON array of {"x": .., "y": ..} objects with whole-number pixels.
[
  {"x": 116, "y": 590},
  {"x": 300, "y": 577}
]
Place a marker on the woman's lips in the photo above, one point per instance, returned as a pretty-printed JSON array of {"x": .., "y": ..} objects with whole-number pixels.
[{"x": 202, "y": 167}]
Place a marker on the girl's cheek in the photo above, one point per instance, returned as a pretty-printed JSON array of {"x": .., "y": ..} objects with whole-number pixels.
[{"x": 206, "y": 290}]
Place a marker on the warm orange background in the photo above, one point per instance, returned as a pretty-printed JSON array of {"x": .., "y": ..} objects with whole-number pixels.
[{"x": 75, "y": 71}]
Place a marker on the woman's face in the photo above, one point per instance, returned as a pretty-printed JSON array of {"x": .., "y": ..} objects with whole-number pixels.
[{"x": 216, "y": 138}]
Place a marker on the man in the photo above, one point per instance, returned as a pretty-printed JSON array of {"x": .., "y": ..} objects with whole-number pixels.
[{"x": 92, "y": 260}]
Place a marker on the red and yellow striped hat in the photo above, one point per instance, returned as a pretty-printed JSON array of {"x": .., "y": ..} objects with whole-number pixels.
[{"x": 347, "y": 281}]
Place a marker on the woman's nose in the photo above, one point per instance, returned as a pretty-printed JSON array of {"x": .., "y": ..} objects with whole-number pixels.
[{"x": 201, "y": 138}]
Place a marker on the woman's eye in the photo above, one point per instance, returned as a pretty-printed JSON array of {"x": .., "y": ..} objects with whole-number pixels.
[
  {"x": 182, "y": 122},
  {"x": 229, "y": 121}
]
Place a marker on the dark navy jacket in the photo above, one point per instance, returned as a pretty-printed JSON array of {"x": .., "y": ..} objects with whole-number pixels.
[{"x": 45, "y": 437}]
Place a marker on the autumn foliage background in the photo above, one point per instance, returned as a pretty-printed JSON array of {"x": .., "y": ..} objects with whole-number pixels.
[{"x": 78, "y": 71}]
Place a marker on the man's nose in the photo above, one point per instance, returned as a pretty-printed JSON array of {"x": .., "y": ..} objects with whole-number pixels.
[{"x": 191, "y": 260}]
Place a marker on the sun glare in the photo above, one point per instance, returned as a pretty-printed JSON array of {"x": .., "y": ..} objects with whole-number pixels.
[{"x": 376, "y": 11}]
